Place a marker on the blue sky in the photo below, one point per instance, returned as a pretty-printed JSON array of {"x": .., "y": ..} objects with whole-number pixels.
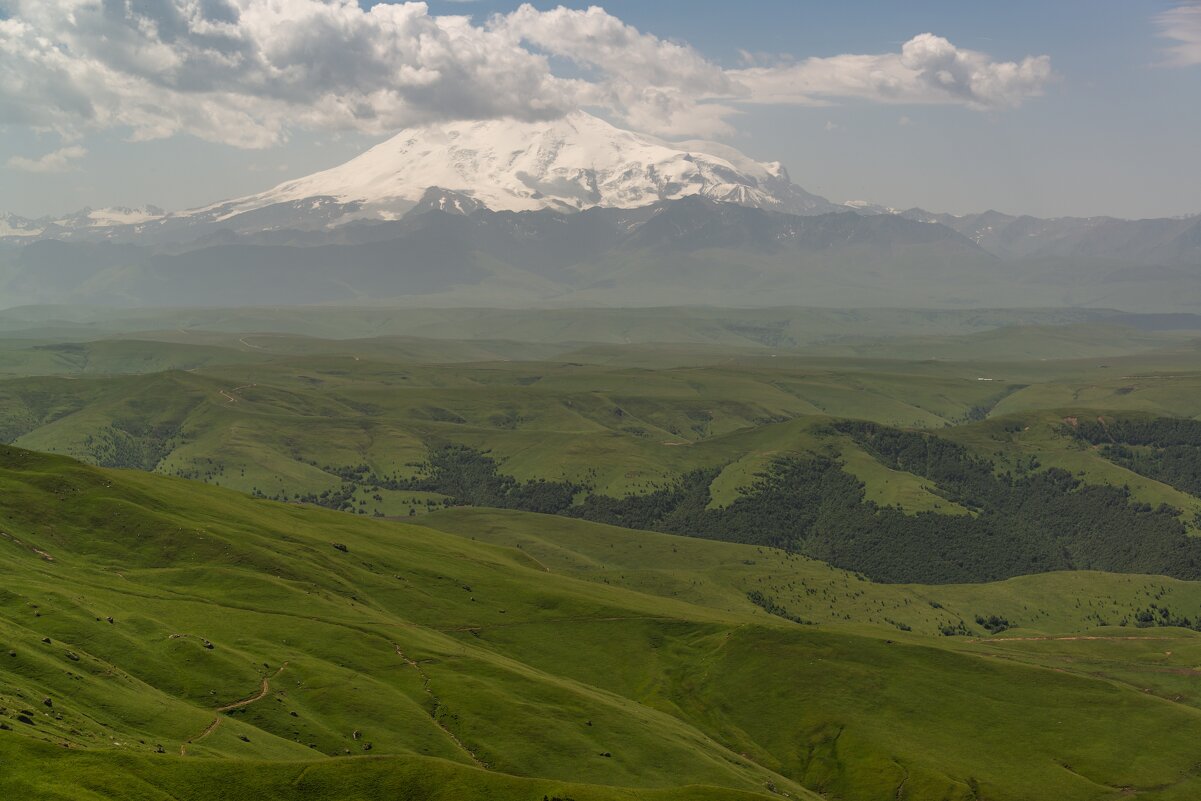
[{"x": 1108, "y": 123}]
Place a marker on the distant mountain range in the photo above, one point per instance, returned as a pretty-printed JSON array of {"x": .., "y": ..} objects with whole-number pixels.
[
  {"x": 1174, "y": 241},
  {"x": 576, "y": 211}
]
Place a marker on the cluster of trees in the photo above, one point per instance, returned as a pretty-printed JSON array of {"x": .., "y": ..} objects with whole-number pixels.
[
  {"x": 958, "y": 629},
  {"x": 1039, "y": 521},
  {"x": 472, "y": 478},
  {"x": 768, "y": 604},
  {"x": 1157, "y": 431},
  {"x": 1035, "y": 521},
  {"x": 341, "y": 498},
  {"x": 1162, "y": 616},
  {"x": 132, "y": 443},
  {"x": 670, "y": 508},
  {"x": 1165, "y": 449},
  {"x": 992, "y": 624}
]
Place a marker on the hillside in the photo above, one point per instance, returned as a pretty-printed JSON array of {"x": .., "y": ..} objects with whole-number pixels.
[
  {"x": 347, "y": 650},
  {"x": 972, "y": 472}
]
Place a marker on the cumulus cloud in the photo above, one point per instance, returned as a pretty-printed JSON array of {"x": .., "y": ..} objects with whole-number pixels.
[
  {"x": 928, "y": 70},
  {"x": 246, "y": 72},
  {"x": 1182, "y": 26},
  {"x": 61, "y": 160},
  {"x": 650, "y": 83}
]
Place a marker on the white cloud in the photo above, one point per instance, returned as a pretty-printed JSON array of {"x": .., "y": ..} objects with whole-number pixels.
[
  {"x": 61, "y": 160},
  {"x": 246, "y": 72},
  {"x": 1182, "y": 26},
  {"x": 651, "y": 83},
  {"x": 927, "y": 70}
]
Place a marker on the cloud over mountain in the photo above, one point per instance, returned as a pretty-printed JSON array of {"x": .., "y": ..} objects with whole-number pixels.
[{"x": 246, "y": 72}]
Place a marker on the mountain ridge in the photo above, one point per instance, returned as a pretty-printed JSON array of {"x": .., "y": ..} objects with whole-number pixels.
[
  {"x": 657, "y": 253},
  {"x": 572, "y": 164},
  {"x": 1153, "y": 240},
  {"x": 576, "y": 211}
]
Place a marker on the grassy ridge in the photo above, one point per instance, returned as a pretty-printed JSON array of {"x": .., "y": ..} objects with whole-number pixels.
[
  {"x": 719, "y": 575},
  {"x": 513, "y": 671},
  {"x": 361, "y": 634},
  {"x": 250, "y": 423}
]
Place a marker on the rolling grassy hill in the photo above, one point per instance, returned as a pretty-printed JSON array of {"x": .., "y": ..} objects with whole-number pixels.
[
  {"x": 293, "y": 417},
  {"x": 548, "y": 418},
  {"x": 172, "y": 639},
  {"x": 516, "y": 656}
]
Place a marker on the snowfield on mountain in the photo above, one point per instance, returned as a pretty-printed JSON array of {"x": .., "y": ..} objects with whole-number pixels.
[{"x": 569, "y": 164}]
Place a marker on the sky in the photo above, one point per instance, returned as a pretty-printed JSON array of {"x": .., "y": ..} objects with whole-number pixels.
[{"x": 1070, "y": 107}]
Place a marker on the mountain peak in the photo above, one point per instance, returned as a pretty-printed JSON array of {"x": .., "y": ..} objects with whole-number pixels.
[{"x": 570, "y": 163}]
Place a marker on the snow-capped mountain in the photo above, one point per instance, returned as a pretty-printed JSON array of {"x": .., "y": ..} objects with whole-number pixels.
[
  {"x": 580, "y": 165},
  {"x": 13, "y": 226},
  {"x": 569, "y": 164}
]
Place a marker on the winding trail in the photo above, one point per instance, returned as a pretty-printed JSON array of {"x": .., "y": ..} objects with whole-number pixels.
[
  {"x": 17, "y": 542},
  {"x": 425, "y": 686},
  {"x": 229, "y": 398},
  {"x": 212, "y": 727}
]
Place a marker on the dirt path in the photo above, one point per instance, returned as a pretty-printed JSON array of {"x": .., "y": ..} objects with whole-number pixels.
[
  {"x": 425, "y": 686},
  {"x": 18, "y": 543},
  {"x": 212, "y": 727},
  {"x": 247, "y": 344},
  {"x": 229, "y": 398}
]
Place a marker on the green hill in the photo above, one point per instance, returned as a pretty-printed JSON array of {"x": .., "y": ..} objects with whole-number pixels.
[
  {"x": 677, "y": 440},
  {"x": 289, "y": 415},
  {"x": 339, "y": 655}
]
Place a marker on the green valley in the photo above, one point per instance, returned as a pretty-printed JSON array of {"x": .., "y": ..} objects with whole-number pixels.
[{"x": 514, "y": 569}]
